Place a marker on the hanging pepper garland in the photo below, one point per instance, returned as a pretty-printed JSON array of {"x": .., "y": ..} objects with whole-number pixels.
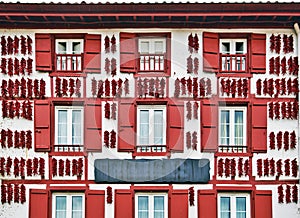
[
  {"x": 35, "y": 166},
  {"x": 61, "y": 167},
  {"x": 10, "y": 67},
  {"x": 23, "y": 194},
  {"x": 283, "y": 66},
  {"x": 114, "y": 87},
  {"x": 291, "y": 43},
  {"x": 285, "y": 43},
  {"x": 194, "y": 140},
  {"x": 272, "y": 43},
  {"x": 190, "y": 43},
  {"x": 279, "y": 167},
  {"x": 272, "y": 140},
  {"x": 189, "y": 110},
  {"x": 191, "y": 196},
  {"x": 16, "y": 139},
  {"x": 23, "y": 45},
  {"x": 29, "y": 167},
  {"x": 266, "y": 167},
  {"x": 68, "y": 167},
  {"x": 113, "y": 44},
  {"x": 107, "y": 110},
  {"x": 295, "y": 194},
  {"x": 293, "y": 140},
  {"x": 189, "y": 62},
  {"x": 294, "y": 164},
  {"x": 109, "y": 195},
  {"x": 100, "y": 89},
  {"x": 162, "y": 87},
  {"x": 114, "y": 111},
  {"x": 29, "y": 45},
  {"x": 2, "y": 166},
  {"x": 177, "y": 88},
  {"x": 22, "y": 167},
  {"x": 107, "y": 88},
  {"x": 77, "y": 88},
  {"x": 120, "y": 91},
  {"x": 106, "y": 44},
  {"x": 286, "y": 140},
  {"x": 58, "y": 87},
  {"x": 279, "y": 140},
  {"x": 42, "y": 167},
  {"x": 113, "y": 67},
  {"x": 8, "y": 166},
  {"x": 64, "y": 87},
  {"x": 240, "y": 167},
  {"x": 16, "y": 66},
  {"x": 126, "y": 86},
  {"x": 107, "y": 65},
  {"x": 227, "y": 167},
  {"x": 277, "y": 44},
  {"x": 113, "y": 139},
  {"x": 16, "y": 193},
  {"x": 16, "y": 167},
  {"x": 195, "y": 110},
  {"x": 288, "y": 194},
  {"x": 94, "y": 87},
  {"x": 258, "y": 87},
  {"x": 188, "y": 137},
  {"x": 80, "y": 167},
  {"x": 287, "y": 167},
  {"x": 196, "y": 65},
  {"x": 3, "y": 193},
  {"x": 3, "y": 46},
  {"x": 29, "y": 66},
  {"x": 74, "y": 167},
  {"x": 106, "y": 139},
  {"x": 259, "y": 167},
  {"x": 9, "y": 193},
  {"x": 280, "y": 194},
  {"x": 272, "y": 167},
  {"x": 233, "y": 167},
  {"x": 54, "y": 167}
]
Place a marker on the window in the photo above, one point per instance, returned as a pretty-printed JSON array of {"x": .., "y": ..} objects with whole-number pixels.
[
  {"x": 151, "y": 128},
  {"x": 152, "y": 205},
  {"x": 69, "y": 54},
  {"x": 152, "y": 54},
  {"x": 68, "y": 205},
  {"x": 233, "y": 54},
  {"x": 232, "y": 127},
  {"x": 234, "y": 205},
  {"x": 68, "y": 128}
]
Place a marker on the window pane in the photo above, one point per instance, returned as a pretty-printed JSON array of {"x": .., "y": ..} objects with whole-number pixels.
[
  {"x": 238, "y": 130},
  {"x": 225, "y": 207},
  {"x": 144, "y": 47},
  {"x": 76, "y": 127},
  {"x": 76, "y": 47},
  {"x": 225, "y": 47},
  {"x": 143, "y": 207},
  {"x": 144, "y": 127},
  {"x": 62, "y": 127},
  {"x": 158, "y": 46},
  {"x": 158, "y": 127},
  {"x": 61, "y": 207},
  {"x": 76, "y": 206},
  {"x": 159, "y": 206},
  {"x": 62, "y": 47},
  {"x": 239, "y": 47},
  {"x": 224, "y": 127},
  {"x": 241, "y": 207}
]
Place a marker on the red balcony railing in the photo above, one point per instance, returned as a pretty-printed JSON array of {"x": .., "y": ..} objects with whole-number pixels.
[
  {"x": 69, "y": 62},
  {"x": 68, "y": 148},
  {"x": 150, "y": 148},
  {"x": 152, "y": 63},
  {"x": 233, "y": 63},
  {"x": 232, "y": 148}
]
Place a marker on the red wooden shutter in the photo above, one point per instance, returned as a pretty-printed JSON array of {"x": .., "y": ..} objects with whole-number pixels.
[
  {"x": 179, "y": 204},
  {"x": 207, "y": 204},
  {"x": 209, "y": 126},
  {"x": 123, "y": 203},
  {"x": 42, "y": 125},
  {"x": 128, "y": 53},
  {"x": 258, "y": 53},
  {"x": 93, "y": 119},
  {"x": 175, "y": 128},
  {"x": 259, "y": 127},
  {"x": 127, "y": 134},
  {"x": 92, "y": 53},
  {"x": 43, "y": 52},
  {"x": 263, "y": 204},
  {"x": 95, "y": 204},
  {"x": 210, "y": 52},
  {"x": 38, "y": 203}
]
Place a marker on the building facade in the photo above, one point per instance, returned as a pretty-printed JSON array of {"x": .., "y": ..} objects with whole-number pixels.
[{"x": 149, "y": 110}]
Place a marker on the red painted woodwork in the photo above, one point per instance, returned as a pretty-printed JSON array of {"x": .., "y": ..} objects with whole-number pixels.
[
  {"x": 207, "y": 204},
  {"x": 93, "y": 119},
  {"x": 95, "y": 204},
  {"x": 179, "y": 204},
  {"x": 128, "y": 53},
  {"x": 259, "y": 127},
  {"x": 209, "y": 126},
  {"x": 123, "y": 203},
  {"x": 38, "y": 203},
  {"x": 127, "y": 135},
  {"x": 263, "y": 204},
  {"x": 210, "y": 52},
  {"x": 258, "y": 53},
  {"x": 92, "y": 53},
  {"x": 42, "y": 125},
  {"x": 176, "y": 126},
  {"x": 43, "y": 52}
]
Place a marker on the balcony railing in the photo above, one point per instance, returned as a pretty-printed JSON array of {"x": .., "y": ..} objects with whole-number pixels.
[
  {"x": 152, "y": 63},
  {"x": 69, "y": 62},
  {"x": 233, "y": 63},
  {"x": 151, "y": 148},
  {"x": 68, "y": 148},
  {"x": 232, "y": 148}
]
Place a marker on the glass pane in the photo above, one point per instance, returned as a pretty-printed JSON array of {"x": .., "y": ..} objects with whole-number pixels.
[
  {"x": 144, "y": 127},
  {"x": 159, "y": 206},
  {"x": 61, "y": 207},
  {"x": 76, "y": 127},
  {"x": 241, "y": 207},
  {"x": 61, "y": 47},
  {"x": 225, "y": 47},
  {"x": 76, "y": 47},
  {"x": 76, "y": 206},
  {"x": 62, "y": 127},
  {"x": 225, "y": 207},
  {"x": 158, "y": 127},
  {"x": 224, "y": 127},
  {"x": 238, "y": 127},
  {"x": 239, "y": 47},
  {"x": 144, "y": 47},
  {"x": 158, "y": 46},
  {"x": 143, "y": 207}
]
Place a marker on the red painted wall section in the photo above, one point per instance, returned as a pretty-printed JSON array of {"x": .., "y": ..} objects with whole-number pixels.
[
  {"x": 123, "y": 203},
  {"x": 128, "y": 53},
  {"x": 126, "y": 136},
  {"x": 207, "y": 204},
  {"x": 263, "y": 204},
  {"x": 93, "y": 120},
  {"x": 95, "y": 204},
  {"x": 38, "y": 203},
  {"x": 209, "y": 126},
  {"x": 43, "y": 52},
  {"x": 210, "y": 52},
  {"x": 179, "y": 204},
  {"x": 42, "y": 125},
  {"x": 258, "y": 53},
  {"x": 259, "y": 127},
  {"x": 92, "y": 53},
  {"x": 176, "y": 125}
]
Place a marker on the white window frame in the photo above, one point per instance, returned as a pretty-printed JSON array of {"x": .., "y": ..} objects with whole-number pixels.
[
  {"x": 151, "y": 203},
  {"x": 151, "y": 109},
  {"x": 232, "y": 45},
  {"x": 231, "y": 124},
  {"x": 233, "y": 197},
  {"x": 68, "y": 204},
  {"x": 151, "y": 42},
  {"x": 69, "y": 46},
  {"x": 69, "y": 123}
]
